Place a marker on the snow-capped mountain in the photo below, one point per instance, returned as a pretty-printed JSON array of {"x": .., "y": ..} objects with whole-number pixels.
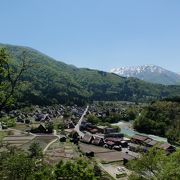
[{"x": 150, "y": 73}]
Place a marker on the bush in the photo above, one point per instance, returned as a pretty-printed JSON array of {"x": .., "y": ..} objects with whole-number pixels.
[{"x": 10, "y": 122}]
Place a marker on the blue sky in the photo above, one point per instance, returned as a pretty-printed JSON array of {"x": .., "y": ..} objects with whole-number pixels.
[{"x": 99, "y": 34}]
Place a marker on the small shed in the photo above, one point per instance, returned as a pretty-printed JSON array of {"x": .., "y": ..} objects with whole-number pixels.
[
  {"x": 168, "y": 148},
  {"x": 98, "y": 141},
  {"x": 89, "y": 154},
  {"x": 39, "y": 129},
  {"x": 139, "y": 139},
  {"x": 42, "y": 129},
  {"x": 152, "y": 143},
  {"x": 88, "y": 138},
  {"x": 117, "y": 141},
  {"x": 137, "y": 148}
]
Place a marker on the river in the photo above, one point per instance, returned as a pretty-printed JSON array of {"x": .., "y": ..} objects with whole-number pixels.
[{"x": 126, "y": 128}]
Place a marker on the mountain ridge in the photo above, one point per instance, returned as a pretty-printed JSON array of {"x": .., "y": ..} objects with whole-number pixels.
[
  {"x": 56, "y": 82},
  {"x": 150, "y": 73}
]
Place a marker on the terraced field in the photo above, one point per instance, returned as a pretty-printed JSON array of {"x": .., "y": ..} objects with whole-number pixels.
[
  {"x": 58, "y": 151},
  {"x": 17, "y": 140},
  {"x": 43, "y": 141}
]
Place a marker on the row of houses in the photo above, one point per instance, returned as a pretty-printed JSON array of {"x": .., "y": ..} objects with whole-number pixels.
[
  {"x": 140, "y": 143},
  {"x": 112, "y": 141},
  {"x": 90, "y": 139},
  {"x": 137, "y": 143},
  {"x": 103, "y": 136},
  {"x": 93, "y": 129}
]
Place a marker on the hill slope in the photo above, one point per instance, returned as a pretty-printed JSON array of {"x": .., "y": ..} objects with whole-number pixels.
[
  {"x": 51, "y": 81},
  {"x": 161, "y": 118},
  {"x": 150, "y": 73}
]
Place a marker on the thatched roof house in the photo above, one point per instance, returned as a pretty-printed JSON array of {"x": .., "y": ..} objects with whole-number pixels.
[
  {"x": 87, "y": 138},
  {"x": 98, "y": 141}
]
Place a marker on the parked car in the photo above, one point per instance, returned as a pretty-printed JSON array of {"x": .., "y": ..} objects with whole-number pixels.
[
  {"x": 118, "y": 148},
  {"x": 121, "y": 169}
]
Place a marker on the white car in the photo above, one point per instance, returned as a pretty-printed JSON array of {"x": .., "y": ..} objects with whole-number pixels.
[
  {"x": 118, "y": 148},
  {"x": 121, "y": 169}
]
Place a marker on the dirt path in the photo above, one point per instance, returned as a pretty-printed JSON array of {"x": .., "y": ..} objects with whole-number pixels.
[{"x": 45, "y": 149}]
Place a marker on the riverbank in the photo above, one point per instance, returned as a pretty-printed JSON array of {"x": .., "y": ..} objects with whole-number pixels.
[{"x": 127, "y": 129}]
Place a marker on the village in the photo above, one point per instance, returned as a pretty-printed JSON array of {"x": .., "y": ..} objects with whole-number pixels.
[
  {"x": 113, "y": 149},
  {"x": 65, "y": 133}
]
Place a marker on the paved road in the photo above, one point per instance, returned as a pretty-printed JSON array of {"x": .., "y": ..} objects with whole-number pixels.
[{"x": 81, "y": 134}]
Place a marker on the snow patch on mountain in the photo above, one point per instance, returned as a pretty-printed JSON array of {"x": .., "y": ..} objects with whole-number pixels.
[
  {"x": 133, "y": 70},
  {"x": 151, "y": 73}
]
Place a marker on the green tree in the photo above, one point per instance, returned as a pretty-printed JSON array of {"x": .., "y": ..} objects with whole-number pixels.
[
  {"x": 8, "y": 121},
  {"x": 97, "y": 171},
  {"x": 132, "y": 113},
  {"x": 49, "y": 127},
  {"x": 156, "y": 165},
  {"x": 93, "y": 119},
  {"x": 45, "y": 173},
  {"x": 10, "y": 76},
  {"x": 80, "y": 169},
  {"x": 160, "y": 118},
  {"x": 16, "y": 166},
  {"x": 35, "y": 150},
  {"x": 149, "y": 164},
  {"x": 171, "y": 169}
]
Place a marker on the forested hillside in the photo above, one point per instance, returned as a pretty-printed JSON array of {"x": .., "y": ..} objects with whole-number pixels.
[
  {"x": 49, "y": 81},
  {"x": 161, "y": 118}
]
